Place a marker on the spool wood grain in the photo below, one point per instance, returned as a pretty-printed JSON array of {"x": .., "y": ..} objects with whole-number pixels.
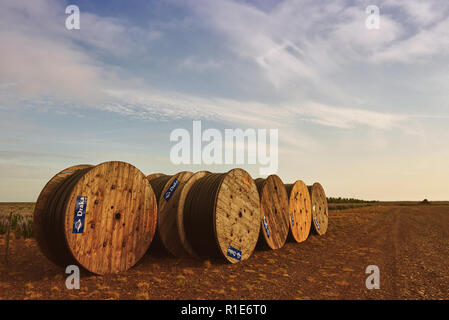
[
  {"x": 168, "y": 214},
  {"x": 41, "y": 229},
  {"x": 222, "y": 215},
  {"x": 320, "y": 210},
  {"x": 120, "y": 220},
  {"x": 274, "y": 206},
  {"x": 300, "y": 211},
  {"x": 180, "y": 211}
]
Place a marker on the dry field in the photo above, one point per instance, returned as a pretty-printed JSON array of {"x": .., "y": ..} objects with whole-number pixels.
[
  {"x": 408, "y": 242},
  {"x": 24, "y": 208}
]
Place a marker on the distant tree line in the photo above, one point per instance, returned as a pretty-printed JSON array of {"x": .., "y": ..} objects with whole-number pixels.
[{"x": 347, "y": 200}]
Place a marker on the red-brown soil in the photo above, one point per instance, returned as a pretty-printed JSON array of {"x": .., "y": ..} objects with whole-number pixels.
[{"x": 410, "y": 245}]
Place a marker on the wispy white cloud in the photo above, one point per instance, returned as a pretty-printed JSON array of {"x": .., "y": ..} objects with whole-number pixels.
[
  {"x": 346, "y": 118},
  {"x": 421, "y": 13},
  {"x": 426, "y": 43},
  {"x": 42, "y": 58},
  {"x": 135, "y": 103},
  {"x": 199, "y": 65}
]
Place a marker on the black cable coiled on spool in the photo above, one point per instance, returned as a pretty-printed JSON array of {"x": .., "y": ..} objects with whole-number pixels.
[
  {"x": 54, "y": 220},
  {"x": 158, "y": 185},
  {"x": 259, "y": 184},
  {"x": 199, "y": 215},
  {"x": 289, "y": 188},
  {"x": 261, "y": 244}
]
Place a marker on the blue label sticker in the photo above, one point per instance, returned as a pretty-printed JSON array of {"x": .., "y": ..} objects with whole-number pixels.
[
  {"x": 265, "y": 224},
  {"x": 80, "y": 214},
  {"x": 316, "y": 223},
  {"x": 293, "y": 221},
  {"x": 234, "y": 253},
  {"x": 171, "y": 189}
]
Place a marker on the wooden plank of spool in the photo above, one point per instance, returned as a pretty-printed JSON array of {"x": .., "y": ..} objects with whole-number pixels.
[
  {"x": 274, "y": 204},
  {"x": 180, "y": 211},
  {"x": 222, "y": 215},
  {"x": 300, "y": 211},
  {"x": 168, "y": 213},
  {"x": 320, "y": 210},
  {"x": 120, "y": 216},
  {"x": 40, "y": 229}
]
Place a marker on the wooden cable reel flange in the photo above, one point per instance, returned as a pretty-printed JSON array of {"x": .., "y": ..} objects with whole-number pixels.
[
  {"x": 274, "y": 207},
  {"x": 167, "y": 224},
  {"x": 222, "y": 215},
  {"x": 300, "y": 211},
  {"x": 180, "y": 211},
  {"x": 320, "y": 210},
  {"x": 101, "y": 218}
]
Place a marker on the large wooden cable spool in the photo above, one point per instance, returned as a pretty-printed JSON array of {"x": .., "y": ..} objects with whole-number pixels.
[
  {"x": 274, "y": 207},
  {"x": 101, "y": 218},
  {"x": 300, "y": 211},
  {"x": 222, "y": 215},
  {"x": 180, "y": 211},
  {"x": 320, "y": 210},
  {"x": 168, "y": 213}
]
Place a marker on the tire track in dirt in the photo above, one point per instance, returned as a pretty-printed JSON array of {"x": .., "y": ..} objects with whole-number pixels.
[
  {"x": 423, "y": 267},
  {"x": 379, "y": 234},
  {"x": 394, "y": 256}
]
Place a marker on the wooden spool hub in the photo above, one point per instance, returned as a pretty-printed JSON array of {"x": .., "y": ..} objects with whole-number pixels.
[
  {"x": 102, "y": 218},
  {"x": 274, "y": 211},
  {"x": 320, "y": 211},
  {"x": 180, "y": 211},
  {"x": 168, "y": 213},
  {"x": 222, "y": 215},
  {"x": 300, "y": 210}
]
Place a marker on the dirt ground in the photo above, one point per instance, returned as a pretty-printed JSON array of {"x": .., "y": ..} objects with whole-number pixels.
[{"x": 409, "y": 244}]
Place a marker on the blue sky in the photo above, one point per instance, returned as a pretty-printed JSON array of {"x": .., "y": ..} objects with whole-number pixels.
[{"x": 365, "y": 112}]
